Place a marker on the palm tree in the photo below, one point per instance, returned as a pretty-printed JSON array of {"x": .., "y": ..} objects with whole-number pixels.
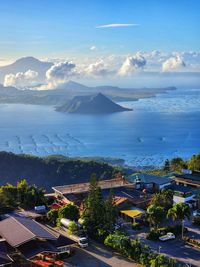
[{"x": 179, "y": 212}]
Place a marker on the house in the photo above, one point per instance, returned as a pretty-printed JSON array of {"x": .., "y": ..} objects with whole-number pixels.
[
  {"x": 28, "y": 238},
  {"x": 150, "y": 182},
  {"x": 188, "y": 178},
  {"x": 184, "y": 194},
  {"x": 5, "y": 250}
]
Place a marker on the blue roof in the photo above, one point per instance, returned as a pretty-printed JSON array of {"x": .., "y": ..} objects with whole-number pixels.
[
  {"x": 183, "y": 189},
  {"x": 148, "y": 178},
  {"x": 122, "y": 192}
]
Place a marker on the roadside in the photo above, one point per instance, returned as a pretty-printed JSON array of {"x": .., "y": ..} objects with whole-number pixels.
[
  {"x": 176, "y": 249},
  {"x": 97, "y": 255}
]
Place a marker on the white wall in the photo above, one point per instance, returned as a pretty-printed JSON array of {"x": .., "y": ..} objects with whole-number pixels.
[{"x": 178, "y": 199}]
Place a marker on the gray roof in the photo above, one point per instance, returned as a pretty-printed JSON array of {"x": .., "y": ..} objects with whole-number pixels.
[
  {"x": 148, "y": 178},
  {"x": 17, "y": 231}
]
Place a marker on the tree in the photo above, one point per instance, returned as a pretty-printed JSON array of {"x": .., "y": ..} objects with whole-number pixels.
[
  {"x": 166, "y": 166},
  {"x": 52, "y": 216},
  {"x": 177, "y": 164},
  {"x": 179, "y": 212},
  {"x": 9, "y": 195},
  {"x": 110, "y": 212},
  {"x": 94, "y": 207},
  {"x": 155, "y": 215},
  {"x": 194, "y": 163},
  {"x": 99, "y": 215},
  {"x": 69, "y": 211},
  {"x": 163, "y": 199},
  {"x": 73, "y": 227}
]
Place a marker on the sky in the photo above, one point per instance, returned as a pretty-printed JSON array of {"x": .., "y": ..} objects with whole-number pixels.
[{"x": 93, "y": 31}]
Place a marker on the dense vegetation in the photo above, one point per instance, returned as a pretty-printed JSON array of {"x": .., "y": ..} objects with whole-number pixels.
[
  {"x": 68, "y": 211},
  {"x": 99, "y": 218},
  {"x": 50, "y": 171},
  {"x": 20, "y": 195},
  {"x": 177, "y": 164}
]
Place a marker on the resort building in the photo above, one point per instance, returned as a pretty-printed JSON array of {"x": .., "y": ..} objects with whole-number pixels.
[
  {"x": 188, "y": 178},
  {"x": 27, "y": 239},
  {"x": 151, "y": 183}
]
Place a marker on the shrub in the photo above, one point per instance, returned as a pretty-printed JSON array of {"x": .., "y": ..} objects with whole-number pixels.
[
  {"x": 153, "y": 235},
  {"x": 73, "y": 227},
  {"x": 136, "y": 226},
  {"x": 196, "y": 220}
]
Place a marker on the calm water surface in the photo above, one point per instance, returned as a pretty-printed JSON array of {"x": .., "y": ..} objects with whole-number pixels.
[{"x": 158, "y": 128}]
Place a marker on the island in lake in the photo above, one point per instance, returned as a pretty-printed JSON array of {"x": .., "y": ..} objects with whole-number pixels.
[{"x": 92, "y": 104}]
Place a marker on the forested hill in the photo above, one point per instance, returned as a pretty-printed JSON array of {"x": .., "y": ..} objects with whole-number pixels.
[{"x": 50, "y": 171}]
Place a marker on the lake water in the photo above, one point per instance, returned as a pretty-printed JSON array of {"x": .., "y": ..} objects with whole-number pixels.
[{"x": 165, "y": 126}]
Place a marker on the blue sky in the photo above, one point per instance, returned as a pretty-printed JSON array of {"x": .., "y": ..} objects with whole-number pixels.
[
  {"x": 50, "y": 28},
  {"x": 158, "y": 38}
]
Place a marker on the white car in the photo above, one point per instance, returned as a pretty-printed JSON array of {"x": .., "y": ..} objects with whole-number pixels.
[
  {"x": 166, "y": 237},
  {"x": 83, "y": 242}
]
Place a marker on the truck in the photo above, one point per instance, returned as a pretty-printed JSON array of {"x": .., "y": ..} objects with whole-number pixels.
[
  {"x": 81, "y": 240},
  {"x": 166, "y": 237}
]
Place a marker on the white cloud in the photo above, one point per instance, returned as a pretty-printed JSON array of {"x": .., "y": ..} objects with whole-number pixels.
[
  {"x": 115, "y": 25},
  {"x": 93, "y": 48},
  {"x": 97, "y": 69},
  {"x": 21, "y": 79},
  {"x": 60, "y": 73},
  {"x": 173, "y": 64},
  {"x": 132, "y": 64}
]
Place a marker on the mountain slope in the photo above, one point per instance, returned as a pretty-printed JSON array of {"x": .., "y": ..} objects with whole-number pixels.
[
  {"x": 24, "y": 64},
  {"x": 50, "y": 171},
  {"x": 95, "y": 104}
]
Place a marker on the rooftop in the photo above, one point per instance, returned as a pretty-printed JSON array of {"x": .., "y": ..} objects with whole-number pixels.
[
  {"x": 84, "y": 187},
  {"x": 194, "y": 176},
  {"x": 18, "y": 230},
  {"x": 148, "y": 178}
]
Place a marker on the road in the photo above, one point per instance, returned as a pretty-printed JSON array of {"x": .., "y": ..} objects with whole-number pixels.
[
  {"x": 96, "y": 255},
  {"x": 176, "y": 249}
]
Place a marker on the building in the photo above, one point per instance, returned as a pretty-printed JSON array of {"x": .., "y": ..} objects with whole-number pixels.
[
  {"x": 27, "y": 238},
  {"x": 84, "y": 187},
  {"x": 150, "y": 182},
  {"x": 123, "y": 192},
  {"x": 184, "y": 194},
  {"x": 188, "y": 178}
]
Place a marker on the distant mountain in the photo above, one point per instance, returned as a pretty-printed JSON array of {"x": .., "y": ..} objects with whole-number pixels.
[
  {"x": 26, "y": 63},
  {"x": 93, "y": 104}
]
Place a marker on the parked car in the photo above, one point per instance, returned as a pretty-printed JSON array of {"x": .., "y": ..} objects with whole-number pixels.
[
  {"x": 166, "y": 237},
  {"x": 196, "y": 213}
]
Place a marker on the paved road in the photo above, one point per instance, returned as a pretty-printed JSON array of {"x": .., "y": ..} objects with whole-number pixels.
[
  {"x": 174, "y": 249},
  {"x": 97, "y": 255}
]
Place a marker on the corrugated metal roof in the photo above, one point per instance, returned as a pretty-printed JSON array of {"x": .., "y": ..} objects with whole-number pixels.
[
  {"x": 147, "y": 178},
  {"x": 132, "y": 213},
  {"x": 17, "y": 230}
]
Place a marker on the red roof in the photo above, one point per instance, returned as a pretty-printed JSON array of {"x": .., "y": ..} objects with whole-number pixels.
[{"x": 55, "y": 206}]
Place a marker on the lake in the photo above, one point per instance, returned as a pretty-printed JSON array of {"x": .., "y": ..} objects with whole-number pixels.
[{"x": 161, "y": 127}]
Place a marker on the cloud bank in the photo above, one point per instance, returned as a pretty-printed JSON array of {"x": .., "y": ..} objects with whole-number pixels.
[
  {"x": 110, "y": 68},
  {"x": 21, "y": 79}
]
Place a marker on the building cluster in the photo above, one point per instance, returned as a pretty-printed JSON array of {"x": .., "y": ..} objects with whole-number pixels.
[{"x": 22, "y": 236}]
